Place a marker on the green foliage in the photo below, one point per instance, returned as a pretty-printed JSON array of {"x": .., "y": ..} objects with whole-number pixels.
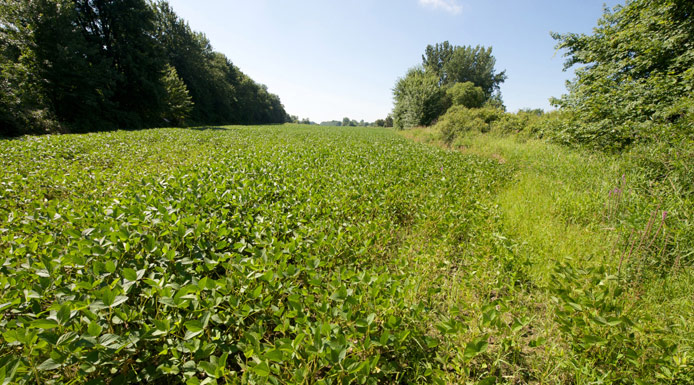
[
  {"x": 454, "y": 64},
  {"x": 462, "y": 76},
  {"x": 610, "y": 245},
  {"x": 466, "y": 95},
  {"x": 94, "y": 65},
  {"x": 418, "y": 99},
  {"x": 388, "y": 121},
  {"x": 202, "y": 256},
  {"x": 637, "y": 74},
  {"x": 178, "y": 102},
  {"x": 459, "y": 119},
  {"x": 186, "y": 256},
  {"x": 23, "y": 105}
]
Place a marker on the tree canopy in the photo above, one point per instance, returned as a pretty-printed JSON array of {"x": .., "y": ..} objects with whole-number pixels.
[
  {"x": 85, "y": 65},
  {"x": 454, "y": 64},
  {"x": 636, "y": 69}
]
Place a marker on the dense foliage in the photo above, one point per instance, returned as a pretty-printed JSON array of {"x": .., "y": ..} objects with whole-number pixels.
[
  {"x": 235, "y": 255},
  {"x": 466, "y": 94},
  {"x": 419, "y": 99},
  {"x": 453, "y": 64},
  {"x": 91, "y": 65},
  {"x": 637, "y": 75},
  {"x": 449, "y": 75},
  {"x": 326, "y": 255}
]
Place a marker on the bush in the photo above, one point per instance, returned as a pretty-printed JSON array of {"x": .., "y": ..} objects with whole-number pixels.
[
  {"x": 466, "y": 95},
  {"x": 459, "y": 119}
]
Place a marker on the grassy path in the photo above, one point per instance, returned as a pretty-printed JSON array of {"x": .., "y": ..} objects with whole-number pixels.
[{"x": 579, "y": 217}]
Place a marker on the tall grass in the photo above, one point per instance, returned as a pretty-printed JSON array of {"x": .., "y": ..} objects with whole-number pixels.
[{"x": 611, "y": 281}]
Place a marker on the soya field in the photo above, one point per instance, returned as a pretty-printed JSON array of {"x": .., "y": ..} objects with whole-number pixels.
[{"x": 304, "y": 255}]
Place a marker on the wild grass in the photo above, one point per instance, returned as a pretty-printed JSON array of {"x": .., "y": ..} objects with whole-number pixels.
[{"x": 581, "y": 222}]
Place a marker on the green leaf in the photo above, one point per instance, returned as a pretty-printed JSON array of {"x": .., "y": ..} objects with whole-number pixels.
[
  {"x": 262, "y": 369},
  {"x": 209, "y": 368},
  {"x": 110, "y": 266},
  {"x": 476, "y": 347},
  {"x": 190, "y": 335},
  {"x": 119, "y": 300},
  {"x": 194, "y": 326},
  {"x": 108, "y": 340},
  {"x": 108, "y": 296},
  {"x": 49, "y": 364},
  {"x": 431, "y": 342},
  {"x": 94, "y": 329},
  {"x": 130, "y": 274},
  {"x": 274, "y": 355},
  {"x": 594, "y": 340},
  {"x": 45, "y": 324},
  {"x": 63, "y": 314},
  {"x": 340, "y": 294}
]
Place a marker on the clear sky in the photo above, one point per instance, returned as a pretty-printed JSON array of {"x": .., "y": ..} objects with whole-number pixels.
[{"x": 328, "y": 59}]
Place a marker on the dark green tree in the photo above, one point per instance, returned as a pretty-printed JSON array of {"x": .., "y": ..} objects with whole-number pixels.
[
  {"x": 124, "y": 32},
  {"x": 84, "y": 65},
  {"x": 389, "y": 121},
  {"x": 435, "y": 59},
  {"x": 38, "y": 47}
]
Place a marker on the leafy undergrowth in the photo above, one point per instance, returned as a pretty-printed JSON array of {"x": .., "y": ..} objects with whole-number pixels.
[
  {"x": 264, "y": 254},
  {"x": 609, "y": 250},
  {"x": 294, "y": 254}
]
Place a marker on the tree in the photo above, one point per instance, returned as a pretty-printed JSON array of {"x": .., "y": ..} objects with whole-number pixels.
[
  {"x": 389, "y": 121},
  {"x": 423, "y": 94},
  {"x": 50, "y": 71},
  {"x": 418, "y": 99},
  {"x": 435, "y": 59},
  {"x": 636, "y": 69},
  {"x": 177, "y": 100},
  {"x": 455, "y": 64},
  {"x": 124, "y": 33}
]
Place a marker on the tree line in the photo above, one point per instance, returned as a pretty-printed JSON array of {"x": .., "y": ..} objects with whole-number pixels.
[
  {"x": 345, "y": 122},
  {"x": 86, "y": 65}
]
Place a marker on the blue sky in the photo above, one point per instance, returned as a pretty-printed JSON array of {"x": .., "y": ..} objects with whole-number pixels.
[{"x": 328, "y": 59}]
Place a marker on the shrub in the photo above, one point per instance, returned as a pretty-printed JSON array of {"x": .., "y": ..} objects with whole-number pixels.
[
  {"x": 459, "y": 119},
  {"x": 418, "y": 99},
  {"x": 466, "y": 95}
]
